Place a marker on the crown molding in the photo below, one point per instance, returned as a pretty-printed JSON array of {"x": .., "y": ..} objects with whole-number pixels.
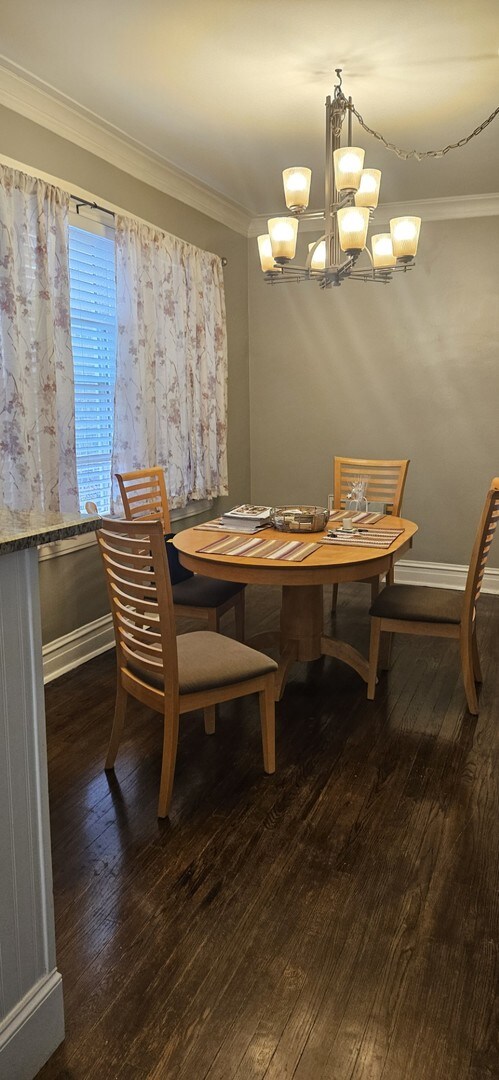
[
  {"x": 452, "y": 208},
  {"x": 38, "y": 101}
]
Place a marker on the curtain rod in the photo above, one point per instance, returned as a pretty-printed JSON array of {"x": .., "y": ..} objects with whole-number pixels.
[
  {"x": 95, "y": 206},
  {"x": 92, "y": 205}
]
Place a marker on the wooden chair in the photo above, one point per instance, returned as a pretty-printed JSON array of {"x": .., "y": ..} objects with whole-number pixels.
[
  {"x": 386, "y": 485},
  {"x": 415, "y": 609},
  {"x": 170, "y": 674},
  {"x": 144, "y": 499}
]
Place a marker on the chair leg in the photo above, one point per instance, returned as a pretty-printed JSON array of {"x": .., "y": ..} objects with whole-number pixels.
[
  {"x": 117, "y": 728},
  {"x": 375, "y": 583},
  {"x": 466, "y": 647},
  {"x": 239, "y": 613},
  {"x": 390, "y": 577},
  {"x": 334, "y": 599},
  {"x": 386, "y": 651},
  {"x": 210, "y": 716},
  {"x": 477, "y": 671},
  {"x": 170, "y": 742},
  {"x": 267, "y": 720},
  {"x": 213, "y": 622},
  {"x": 373, "y": 657}
]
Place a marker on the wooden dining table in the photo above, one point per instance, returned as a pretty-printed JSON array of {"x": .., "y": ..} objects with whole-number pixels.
[{"x": 301, "y": 635}]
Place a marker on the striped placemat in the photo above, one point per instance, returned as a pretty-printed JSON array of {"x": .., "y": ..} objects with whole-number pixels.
[
  {"x": 255, "y": 547},
  {"x": 379, "y": 538},
  {"x": 364, "y": 518}
]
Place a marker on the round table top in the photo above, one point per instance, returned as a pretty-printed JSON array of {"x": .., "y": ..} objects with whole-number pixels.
[{"x": 328, "y": 564}]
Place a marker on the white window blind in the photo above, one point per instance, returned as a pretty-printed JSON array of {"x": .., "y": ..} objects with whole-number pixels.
[{"x": 93, "y": 333}]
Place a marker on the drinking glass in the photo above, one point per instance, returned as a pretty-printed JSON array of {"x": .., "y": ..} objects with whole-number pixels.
[{"x": 357, "y": 498}]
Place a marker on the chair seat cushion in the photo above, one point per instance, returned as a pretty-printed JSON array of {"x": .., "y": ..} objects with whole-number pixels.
[
  {"x": 416, "y": 603},
  {"x": 199, "y": 591},
  {"x": 207, "y": 660}
]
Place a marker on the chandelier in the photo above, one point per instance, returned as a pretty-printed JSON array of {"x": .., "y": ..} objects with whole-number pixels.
[{"x": 350, "y": 197}]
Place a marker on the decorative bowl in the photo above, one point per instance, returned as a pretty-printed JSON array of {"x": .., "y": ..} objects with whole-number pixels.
[{"x": 299, "y": 518}]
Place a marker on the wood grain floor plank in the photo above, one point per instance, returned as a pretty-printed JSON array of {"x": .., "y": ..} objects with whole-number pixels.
[{"x": 338, "y": 921}]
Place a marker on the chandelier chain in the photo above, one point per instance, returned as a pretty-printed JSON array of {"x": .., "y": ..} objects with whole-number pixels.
[{"x": 420, "y": 154}]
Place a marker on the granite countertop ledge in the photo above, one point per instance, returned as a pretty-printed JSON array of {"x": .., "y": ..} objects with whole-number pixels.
[{"x": 31, "y": 528}]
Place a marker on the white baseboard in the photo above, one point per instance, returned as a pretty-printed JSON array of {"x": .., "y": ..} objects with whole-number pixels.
[
  {"x": 68, "y": 652},
  {"x": 33, "y": 1030},
  {"x": 442, "y": 575}
]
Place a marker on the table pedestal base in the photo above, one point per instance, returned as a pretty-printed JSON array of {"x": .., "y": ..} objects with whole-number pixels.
[{"x": 301, "y": 635}]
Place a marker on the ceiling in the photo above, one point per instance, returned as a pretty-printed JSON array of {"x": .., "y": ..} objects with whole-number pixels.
[{"x": 232, "y": 91}]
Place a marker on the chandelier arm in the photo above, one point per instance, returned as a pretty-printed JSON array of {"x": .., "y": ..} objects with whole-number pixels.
[
  {"x": 312, "y": 215},
  {"x": 420, "y": 154},
  {"x": 345, "y": 269},
  {"x": 370, "y": 275},
  {"x": 345, "y": 199}
]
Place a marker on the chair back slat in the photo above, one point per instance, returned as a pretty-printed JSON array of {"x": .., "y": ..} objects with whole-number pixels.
[
  {"x": 386, "y": 481},
  {"x": 127, "y": 589},
  {"x": 144, "y": 497},
  {"x": 139, "y": 631},
  {"x": 138, "y": 582},
  {"x": 139, "y": 663},
  {"x": 136, "y": 560},
  {"x": 481, "y": 548},
  {"x": 137, "y": 612}
]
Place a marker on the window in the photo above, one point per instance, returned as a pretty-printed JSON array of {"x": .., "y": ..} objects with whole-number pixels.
[{"x": 93, "y": 333}]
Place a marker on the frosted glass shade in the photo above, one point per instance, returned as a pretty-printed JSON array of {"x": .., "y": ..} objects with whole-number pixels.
[
  {"x": 405, "y": 235},
  {"x": 353, "y": 223},
  {"x": 318, "y": 260},
  {"x": 348, "y": 165},
  {"x": 297, "y": 187},
  {"x": 368, "y": 191},
  {"x": 383, "y": 257},
  {"x": 265, "y": 251},
  {"x": 283, "y": 232}
]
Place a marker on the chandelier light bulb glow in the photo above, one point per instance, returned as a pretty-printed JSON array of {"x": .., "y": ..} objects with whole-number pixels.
[
  {"x": 283, "y": 232},
  {"x": 265, "y": 251},
  {"x": 368, "y": 191},
  {"x": 348, "y": 165},
  {"x": 318, "y": 260},
  {"x": 353, "y": 223},
  {"x": 404, "y": 232},
  {"x": 297, "y": 187},
  {"x": 383, "y": 257}
]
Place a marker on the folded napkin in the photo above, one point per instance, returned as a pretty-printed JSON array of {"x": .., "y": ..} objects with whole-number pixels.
[{"x": 379, "y": 538}]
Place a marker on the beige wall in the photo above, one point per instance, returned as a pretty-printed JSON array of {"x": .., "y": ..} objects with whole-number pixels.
[
  {"x": 406, "y": 370},
  {"x": 71, "y": 588}
]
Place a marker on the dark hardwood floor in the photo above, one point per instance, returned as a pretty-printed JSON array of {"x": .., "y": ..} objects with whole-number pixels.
[{"x": 336, "y": 921}]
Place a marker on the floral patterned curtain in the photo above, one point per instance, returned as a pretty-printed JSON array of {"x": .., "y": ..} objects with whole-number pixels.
[
  {"x": 171, "y": 373},
  {"x": 37, "y": 428}
]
